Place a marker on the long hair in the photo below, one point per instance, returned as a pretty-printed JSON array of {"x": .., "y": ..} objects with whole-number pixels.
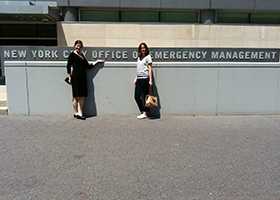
[
  {"x": 78, "y": 42},
  {"x": 139, "y": 49}
]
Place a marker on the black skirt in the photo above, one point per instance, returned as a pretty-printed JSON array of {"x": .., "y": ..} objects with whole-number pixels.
[
  {"x": 79, "y": 86},
  {"x": 77, "y": 66}
]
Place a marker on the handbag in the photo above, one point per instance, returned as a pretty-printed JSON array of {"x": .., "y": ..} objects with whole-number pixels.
[
  {"x": 150, "y": 100},
  {"x": 67, "y": 80}
]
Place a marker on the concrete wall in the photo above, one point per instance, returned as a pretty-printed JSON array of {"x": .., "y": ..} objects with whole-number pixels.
[
  {"x": 168, "y": 35},
  {"x": 189, "y": 89}
]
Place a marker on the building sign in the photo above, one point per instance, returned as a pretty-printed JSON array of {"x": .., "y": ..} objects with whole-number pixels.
[{"x": 131, "y": 54}]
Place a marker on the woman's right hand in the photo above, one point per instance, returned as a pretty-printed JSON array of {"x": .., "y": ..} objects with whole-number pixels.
[{"x": 135, "y": 80}]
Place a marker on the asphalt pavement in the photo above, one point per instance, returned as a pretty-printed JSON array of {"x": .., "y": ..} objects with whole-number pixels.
[{"x": 114, "y": 157}]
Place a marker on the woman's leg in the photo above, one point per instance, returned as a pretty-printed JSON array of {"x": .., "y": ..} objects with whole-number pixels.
[
  {"x": 141, "y": 90},
  {"x": 75, "y": 105},
  {"x": 138, "y": 95},
  {"x": 81, "y": 105}
]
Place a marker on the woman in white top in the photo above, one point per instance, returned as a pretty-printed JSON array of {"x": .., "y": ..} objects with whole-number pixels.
[{"x": 143, "y": 79}]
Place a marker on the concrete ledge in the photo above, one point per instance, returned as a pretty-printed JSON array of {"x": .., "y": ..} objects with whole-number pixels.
[
  {"x": 3, "y": 110},
  {"x": 3, "y": 94},
  {"x": 49, "y": 64},
  {"x": 3, "y": 103}
]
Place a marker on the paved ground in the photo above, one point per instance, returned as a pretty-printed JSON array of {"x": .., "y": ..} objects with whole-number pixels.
[{"x": 121, "y": 158}]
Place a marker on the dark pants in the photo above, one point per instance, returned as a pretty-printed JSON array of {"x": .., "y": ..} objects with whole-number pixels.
[{"x": 141, "y": 90}]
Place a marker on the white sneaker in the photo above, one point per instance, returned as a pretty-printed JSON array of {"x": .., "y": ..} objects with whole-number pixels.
[{"x": 142, "y": 116}]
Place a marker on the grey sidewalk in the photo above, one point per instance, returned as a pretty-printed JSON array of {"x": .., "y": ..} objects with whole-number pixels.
[{"x": 121, "y": 158}]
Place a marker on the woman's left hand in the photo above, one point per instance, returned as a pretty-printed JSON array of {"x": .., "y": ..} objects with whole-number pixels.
[{"x": 150, "y": 82}]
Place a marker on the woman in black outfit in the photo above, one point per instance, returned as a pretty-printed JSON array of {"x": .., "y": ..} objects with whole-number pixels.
[{"x": 77, "y": 66}]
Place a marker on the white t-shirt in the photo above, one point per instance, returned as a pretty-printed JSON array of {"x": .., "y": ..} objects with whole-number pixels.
[{"x": 142, "y": 67}]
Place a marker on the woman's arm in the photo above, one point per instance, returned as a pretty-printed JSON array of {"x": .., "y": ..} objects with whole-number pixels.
[
  {"x": 89, "y": 66},
  {"x": 69, "y": 64},
  {"x": 150, "y": 73}
]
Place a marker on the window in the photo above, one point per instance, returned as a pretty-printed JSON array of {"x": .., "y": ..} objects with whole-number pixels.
[
  {"x": 28, "y": 34},
  {"x": 265, "y": 18},
  {"x": 179, "y": 16},
  {"x": 99, "y": 15},
  {"x": 139, "y": 16},
  {"x": 232, "y": 17}
]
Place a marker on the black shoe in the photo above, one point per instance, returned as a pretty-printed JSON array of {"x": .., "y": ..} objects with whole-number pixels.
[
  {"x": 75, "y": 116},
  {"x": 80, "y": 117}
]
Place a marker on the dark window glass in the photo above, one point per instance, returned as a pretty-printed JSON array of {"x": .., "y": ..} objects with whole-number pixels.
[
  {"x": 265, "y": 18},
  {"x": 179, "y": 16},
  {"x": 28, "y": 42},
  {"x": 232, "y": 17},
  {"x": 46, "y": 30},
  {"x": 18, "y": 30},
  {"x": 139, "y": 16},
  {"x": 99, "y": 15},
  {"x": 28, "y": 34}
]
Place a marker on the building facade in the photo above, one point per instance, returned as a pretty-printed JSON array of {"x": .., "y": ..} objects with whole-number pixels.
[
  {"x": 44, "y": 22},
  {"x": 215, "y": 88}
]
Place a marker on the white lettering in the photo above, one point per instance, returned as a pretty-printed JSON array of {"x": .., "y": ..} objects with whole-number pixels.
[
  {"x": 125, "y": 55},
  {"x": 185, "y": 55},
  {"x": 254, "y": 55},
  {"x": 235, "y": 55},
  {"x": 14, "y": 54},
  {"x": 65, "y": 54},
  {"x": 54, "y": 54},
  {"x": 261, "y": 55},
  {"x": 165, "y": 55},
  {"x": 94, "y": 54},
  {"x": 267, "y": 55},
  {"x": 172, "y": 55},
  {"x": 47, "y": 54},
  {"x": 204, "y": 53},
  {"x": 241, "y": 55},
  {"x": 22, "y": 53},
  {"x": 40, "y": 54},
  {"x": 222, "y": 55},
  {"x": 6, "y": 54},
  {"x": 179, "y": 55},
  {"x": 34, "y": 52},
  {"x": 228, "y": 55},
  {"x": 198, "y": 55},
  {"x": 107, "y": 54},
  {"x": 214, "y": 54},
  {"x": 135, "y": 54},
  {"x": 158, "y": 55},
  {"x": 247, "y": 55},
  {"x": 85, "y": 53},
  {"x": 191, "y": 55},
  {"x": 100, "y": 54},
  {"x": 118, "y": 54},
  {"x": 273, "y": 54}
]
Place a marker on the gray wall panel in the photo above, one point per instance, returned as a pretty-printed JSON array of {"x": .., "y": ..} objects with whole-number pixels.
[
  {"x": 193, "y": 92},
  {"x": 182, "y": 90},
  {"x": 206, "y": 81},
  {"x": 267, "y": 4},
  {"x": 248, "y": 90},
  {"x": 236, "y": 4},
  {"x": 185, "y": 4},
  {"x": 177, "y": 96},
  {"x": 16, "y": 90},
  {"x": 50, "y": 94},
  {"x": 139, "y": 4},
  {"x": 114, "y": 91}
]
